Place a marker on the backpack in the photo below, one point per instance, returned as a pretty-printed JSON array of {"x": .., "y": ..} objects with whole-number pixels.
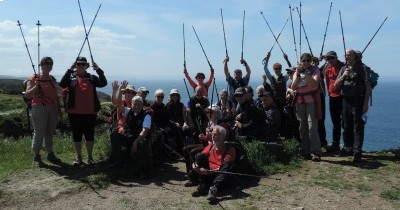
[{"x": 373, "y": 79}]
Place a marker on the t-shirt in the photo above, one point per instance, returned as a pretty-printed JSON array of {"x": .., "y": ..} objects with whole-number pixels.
[{"x": 47, "y": 94}]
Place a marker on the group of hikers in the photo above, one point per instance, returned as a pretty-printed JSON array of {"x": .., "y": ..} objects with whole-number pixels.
[{"x": 208, "y": 134}]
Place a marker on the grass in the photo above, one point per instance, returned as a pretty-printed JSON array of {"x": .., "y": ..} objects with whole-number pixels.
[
  {"x": 11, "y": 102},
  {"x": 393, "y": 194}
]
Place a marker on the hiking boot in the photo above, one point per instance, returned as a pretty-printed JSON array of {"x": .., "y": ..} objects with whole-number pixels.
[
  {"x": 52, "y": 158},
  {"x": 346, "y": 152},
  {"x": 211, "y": 197},
  {"x": 315, "y": 157},
  {"x": 191, "y": 184},
  {"x": 37, "y": 161},
  {"x": 357, "y": 157},
  {"x": 201, "y": 191}
]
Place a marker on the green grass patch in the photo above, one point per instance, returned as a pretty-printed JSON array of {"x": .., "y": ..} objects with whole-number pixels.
[
  {"x": 393, "y": 194},
  {"x": 11, "y": 102}
]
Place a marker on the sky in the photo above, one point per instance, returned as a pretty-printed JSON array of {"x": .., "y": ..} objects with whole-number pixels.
[{"x": 143, "y": 40}]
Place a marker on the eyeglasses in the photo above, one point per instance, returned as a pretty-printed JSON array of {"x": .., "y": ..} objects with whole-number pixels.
[
  {"x": 130, "y": 92},
  {"x": 277, "y": 68},
  {"x": 81, "y": 64},
  {"x": 200, "y": 78},
  {"x": 306, "y": 60}
]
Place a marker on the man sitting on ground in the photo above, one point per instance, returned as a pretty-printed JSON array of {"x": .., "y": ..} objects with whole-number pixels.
[{"x": 210, "y": 165}]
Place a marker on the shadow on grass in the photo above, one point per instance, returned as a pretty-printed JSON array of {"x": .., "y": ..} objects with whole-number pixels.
[{"x": 367, "y": 162}]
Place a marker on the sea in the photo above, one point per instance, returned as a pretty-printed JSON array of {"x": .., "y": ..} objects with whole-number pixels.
[{"x": 382, "y": 131}]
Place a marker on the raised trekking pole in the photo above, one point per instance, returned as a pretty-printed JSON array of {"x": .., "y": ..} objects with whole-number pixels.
[
  {"x": 86, "y": 32},
  {"x": 216, "y": 90},
  {"x": 241, "y": 56},
  {"x": 305, "y": 34},
  {"x": 90, "y": 28},
  {"x": 223, "y": 29},
  {"x": 344, "y": 43},
  {"x": 187, "y": 89},
  {"x": 204, "y": 52},
  {"x": 27, "y": 49},
  {"x": 300, "y": 31},
  {"x": 374, "y": 36},
  {"x": 184, "y": 45},
  {"x": 38, "y": 46},
  {"x": 279, "y": 35},
  {"x": 326, "y": 29},
  {"x": 294, "y": 37},
  {"x": 276, "y": 39},
  {"x": 211, "y": 104}
]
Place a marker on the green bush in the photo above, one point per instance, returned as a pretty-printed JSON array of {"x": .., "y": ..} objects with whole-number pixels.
[{"x": 271, "y": 158}]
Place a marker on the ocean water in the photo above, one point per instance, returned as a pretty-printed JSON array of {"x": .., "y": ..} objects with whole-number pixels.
[{"x": 382, "y": 130}]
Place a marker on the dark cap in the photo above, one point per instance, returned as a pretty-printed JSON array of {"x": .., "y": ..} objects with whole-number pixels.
[
  {"x": 239, "y": 91},
  {"x": 81, "y": 60},
  {"x": 331, "y": 54},
  {"x": 200, "y": 75}
]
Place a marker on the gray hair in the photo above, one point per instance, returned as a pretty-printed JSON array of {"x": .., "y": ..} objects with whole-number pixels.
[
  {"x": 221, "y": 130},
  {"x": 137, "y": 99},
  {"x": 260, "y": 88}
]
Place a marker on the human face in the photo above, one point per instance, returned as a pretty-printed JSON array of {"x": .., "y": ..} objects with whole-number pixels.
[
  {"x": 350, "y": 57},
  {"x": 306, "y": 62},
  {"x": 160, "y": 98},
  {"x": 129, "y": 94},
  {"x": 240, "y": 98},
  {"x": 277, "y": 68},
  {"x": 217, "y": 138},
  {"x": 266, "y": 100},
  {"x": 47, "y": 66},
  {"x": 330, "y": 59},
  {"x": 223, "y": 95},
  {"x": 237, "y": 76},
  {"x": 137, "y": 106}
]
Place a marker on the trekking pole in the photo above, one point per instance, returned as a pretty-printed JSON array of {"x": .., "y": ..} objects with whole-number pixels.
[
  {"x": 27, "y": 49},
  {"x": 211, "y": 104},
  {"x": 271, "y": 31},
  {"x": 278, "y": 35},
  {"x": 241, "y": 56},
  {"x": 344, "y": 43},
  {"x": 202, "y": 47},
  {"x": 216, "y": 90},
  {"x": 241, "y": 174},
  {"x": 305, "y": 34},
  {"x": 374, "y": 36},
  {"x": 88, "y": 31},
  {"x": 294, "y": 37},
  {"x": 187, "y": 89},
  {"x": 300, "y": 30},
  {"x": 184, "y": 45},
  {"x": 326, "y": 29},
  {"x": 38, "y": 45},
  {"x": 223, "y": 29}
]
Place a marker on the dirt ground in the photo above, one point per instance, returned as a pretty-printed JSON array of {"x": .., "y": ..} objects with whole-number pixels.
[{"x": 333, "y": 183}]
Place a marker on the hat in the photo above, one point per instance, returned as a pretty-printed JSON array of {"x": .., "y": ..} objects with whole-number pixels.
[
  {"x": 239, "y": 91},
  {"x": 174, "y": 91},
  {"x": 143, "y": 89},
  {"x": 129, "y": 87},
  {"x": 238, "y": 71},
  {"x": 81, "y": 60},
  {"x": 331, "y": 54}
]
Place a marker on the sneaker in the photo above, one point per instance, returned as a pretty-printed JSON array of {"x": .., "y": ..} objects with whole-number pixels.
[
  {"x": 91, "y": 162},
  {"x": 37, "y": 161},
  {"x": 315, "y": 157},
  {"x": 201, "y": 191},
  {"x": 52, "y": 158},
  {"x": 211, "y": 197},
  {"x": 77, "y": 163}
]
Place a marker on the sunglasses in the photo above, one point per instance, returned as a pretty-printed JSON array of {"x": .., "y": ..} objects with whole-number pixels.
[
  {"x": 160, "y": 96},
  {"x": 306, "y": 60},
  {"x": 81, "y": 64},
  {"x": 202, "y": 78},
  {"x": 47, "y": 63},
  {"x": 330, "y": 58}
]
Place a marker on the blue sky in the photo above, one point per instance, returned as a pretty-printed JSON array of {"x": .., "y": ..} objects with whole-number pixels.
[{"x": 143, "y": 39}]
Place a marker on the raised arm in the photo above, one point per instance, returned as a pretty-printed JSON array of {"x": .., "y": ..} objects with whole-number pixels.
[
  {"x": 266, "y": 70},
  {"x": 191, "y": 82},
  {"x": 226, "y": 70}
]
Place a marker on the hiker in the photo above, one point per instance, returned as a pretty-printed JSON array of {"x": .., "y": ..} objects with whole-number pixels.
[
  {"x": 42, "y": 92},
  {"x": 134, "y": 135},
  {"x": 82, "y": 104},
  {"x": 128, "y": 94},
  {"x": 306, "y": 84},
  {"x": 321, "y": 122},
  {"x": 143, "y": 92},
  {"x": 200, "y": 77},
  {"x": 226, "y": 106},
  {"x": 272, "y": 117},
  {"x": 331, "y": 72},
  {"x": 216, "y": 157},
  {"x": 178, "y": 119},
  {"x": 237, "y": 80},
  {"x": 248, "y": 120},
  {"x": 291, "y": 123},
  {"x": 353, "y": 81}
]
